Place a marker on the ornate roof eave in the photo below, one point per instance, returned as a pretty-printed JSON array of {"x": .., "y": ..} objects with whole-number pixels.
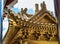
[
  {"x": 35, "y": 15},
  {"x": 50, "y": 16},
  {"x": 41, "y": 14}
]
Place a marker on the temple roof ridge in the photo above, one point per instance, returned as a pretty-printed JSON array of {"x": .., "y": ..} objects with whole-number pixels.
[{"x": 40, "y": 13}]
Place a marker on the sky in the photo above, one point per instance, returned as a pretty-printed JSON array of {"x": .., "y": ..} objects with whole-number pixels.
[
  {"x": 5, "y": 26},
  {"x": 30, "y": 4}
]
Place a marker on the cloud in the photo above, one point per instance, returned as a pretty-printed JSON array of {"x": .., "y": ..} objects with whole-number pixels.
[
  {"x": 4, "y": 32},
  {"x": 5, "y": 27},
  {"x": 31, "y": 4}
]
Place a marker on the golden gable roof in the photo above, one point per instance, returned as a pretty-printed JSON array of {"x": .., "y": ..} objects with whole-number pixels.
[{"x": 37, "y": 17}]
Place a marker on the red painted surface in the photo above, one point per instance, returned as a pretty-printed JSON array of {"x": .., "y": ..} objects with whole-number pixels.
[
  {"x": 4, "y": 15},
  {"x": 8, "y": 2}
]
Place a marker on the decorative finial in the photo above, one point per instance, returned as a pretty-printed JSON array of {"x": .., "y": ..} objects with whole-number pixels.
[
  {"x": 25, "y": 10},
  {"x": 43, "y": 6},
  {"x": 36, "y": 8},
  {"x": 22, "y": 11}
]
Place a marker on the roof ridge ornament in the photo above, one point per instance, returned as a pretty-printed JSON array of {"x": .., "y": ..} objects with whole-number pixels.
[
  {"x": 36, "y": 8},
  {"x": 43, "y": 6}
]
